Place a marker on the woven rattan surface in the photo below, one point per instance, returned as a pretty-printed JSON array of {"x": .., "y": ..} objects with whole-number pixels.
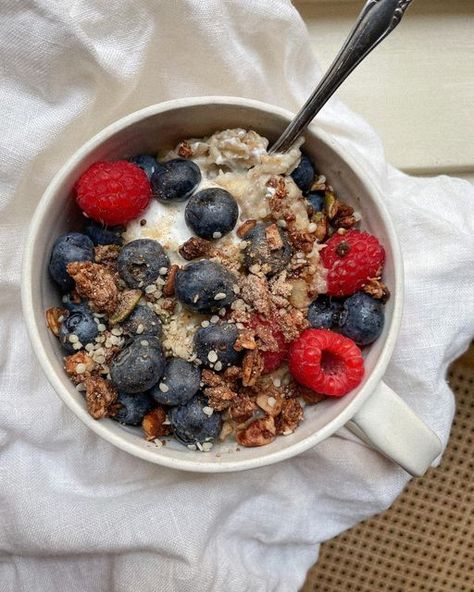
[{"x": 425, "y": 541}]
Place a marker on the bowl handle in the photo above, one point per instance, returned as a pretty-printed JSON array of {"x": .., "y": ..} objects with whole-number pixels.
[{"x": 386, "y": 423}]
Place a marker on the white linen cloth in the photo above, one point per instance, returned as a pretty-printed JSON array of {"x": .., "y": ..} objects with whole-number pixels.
[{"x": 77, "y": 514}]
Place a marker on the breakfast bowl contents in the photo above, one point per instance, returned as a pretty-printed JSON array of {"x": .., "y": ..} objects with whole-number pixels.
[
  {"x": 208, "y": 306},
  {"x": 261, "y": 307}
]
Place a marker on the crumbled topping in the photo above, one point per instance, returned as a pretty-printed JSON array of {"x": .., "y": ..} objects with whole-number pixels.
[
  {"x": 79, "y": 366},
  {"x": 168, "y": 288},
  {"x": 54, "y": 318},
  {"x": 273, "y": 237},
  {"x": 154, "y": 425},
  {"x": 252, "y": 367},
  {"x": 100, "y": 397},
  {"x": 218, "y": 390},
  {"x": 377, "y": 289},
  {"x": 242, "y": 409},
  {"x": 290, "y": 417},
  {"x": 96, "y": 283},
  {"x": 184, "y": 150},
  {"x": 195, "y": 247},
  {"x": 255, "y": 292},
  {"x": 258, "y": 433},
  {"x": 107, "y": 255},
  {"x": 245, "y": 340},
  {"x": 270, "y": 403},
  {"x": 246, "y": 227},
  {"x": 127, "y": 301}
]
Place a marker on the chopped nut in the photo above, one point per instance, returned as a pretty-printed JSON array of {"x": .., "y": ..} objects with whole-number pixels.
[
  {"x": 220, "y": 397},
  {"x": 299, "y": 296},
  {"x": 270, "y": 403},
  {"x": 258, "y": 433},
  {"x": 154, "y": 425},
  {"x": 255, "y": 292},
  {"x": 232, "y": 374},
  {"x": 85, "y": 363},
  {"x": 245, "y": 228},
  {"x": 226, "y": 430},
  {"x": 266, "y": 338},
  {"x": 331, "y": 204},
  {"x": 100, "y": 397},
  {"x": 195, "y": 247},
  {"x": 210, "y": 378},
  {"x": 127, "y": 300},
  {"x": 107, "y": 255},
  {"x": 52, "y": 318},
  {"x": 290, "y": 416},
  {"x": 185, "y": 150},
  {"x": 377, "y": 289},
  {"x": 345, "y": 222},
  {"x": 321, "y": 221},
  {"x": 252, "y": 367},
  {"x": 245, "y": 340},
  {"x": 219, "y": 389},
  {"x": 273, "y": 237},
  {"x": 96, "y": 283},
  {"x": 242, "y": 409},
  {"x": 168, "y": 304},
  {"x": 300, "y": 240},
  {"x": 291, "y": 323},
  {"x": 168, "y": 288}
]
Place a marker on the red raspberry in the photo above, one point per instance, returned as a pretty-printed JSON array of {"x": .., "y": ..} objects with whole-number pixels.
[
  {"x": 326, "y": 362},
  {"x": 113, "y": 192},
  {"x": 272, "y": 359},
  {"x": 351, "y": 259}
]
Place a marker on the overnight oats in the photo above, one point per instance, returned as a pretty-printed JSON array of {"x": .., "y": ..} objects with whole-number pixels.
[{"x": 214, "y": 291}]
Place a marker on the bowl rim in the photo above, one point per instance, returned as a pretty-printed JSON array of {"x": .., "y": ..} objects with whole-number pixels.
[{"x": 100, "y": 428}]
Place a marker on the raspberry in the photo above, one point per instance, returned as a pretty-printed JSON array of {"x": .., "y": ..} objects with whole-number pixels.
[
  {"x": 271, "y": 359},
  {"x": 326, "y": 362},
  {"x": 113, "y": 192},
  {"x": 351, "y": 260}
]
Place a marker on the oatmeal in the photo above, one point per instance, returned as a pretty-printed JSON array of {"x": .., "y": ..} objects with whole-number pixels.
[{"x": 237, "y": 290}]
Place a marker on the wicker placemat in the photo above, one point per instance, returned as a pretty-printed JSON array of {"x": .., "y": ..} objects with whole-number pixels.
[{"x": 425, "y": 541}]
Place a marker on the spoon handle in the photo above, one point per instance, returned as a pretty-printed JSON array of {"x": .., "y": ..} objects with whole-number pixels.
[{"x": 377, "y": 20}]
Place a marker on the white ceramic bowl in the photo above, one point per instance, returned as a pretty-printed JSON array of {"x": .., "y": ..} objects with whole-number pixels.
[{"x": 162, "y": 126}]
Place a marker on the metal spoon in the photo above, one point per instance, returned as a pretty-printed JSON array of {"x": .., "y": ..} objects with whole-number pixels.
[{"x": 377, "y": 20}]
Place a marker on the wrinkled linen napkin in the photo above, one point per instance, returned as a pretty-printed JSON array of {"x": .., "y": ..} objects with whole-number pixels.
[{"x": 78, "y": 514}]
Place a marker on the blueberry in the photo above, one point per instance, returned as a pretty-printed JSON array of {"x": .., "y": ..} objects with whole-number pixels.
[
  {"x": 179, "y": 383},
  {"x": 362, "y": 318},
  {"x": 69, "y": 247},
  {"x": 176, "y": 180},
  {"x": 140, "y": 261},
  {"x": 79, "y": 322},
  {"x": 303, "y": 175},
  {"x": 138, "y": 366},
  {"x": 211, "y": 213},
  {"x": 142, "y": 321},
  {"x": 204, "y": 286},
  {"x": 257, "y": 251},
  {"x": 316, "y": 199},
  {"x": 191, "y": 425},
  {"x": 133, "y": 407},
  {"x": 103, "y": 235},
  {"x": 215, "y": 343},
  {"x": 323, "y": 313},
  {"x": 147, "y": 163}
]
